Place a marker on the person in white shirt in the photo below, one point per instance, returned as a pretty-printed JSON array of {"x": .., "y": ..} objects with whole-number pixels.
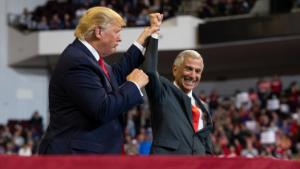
[{"x": 181, "y": 122}]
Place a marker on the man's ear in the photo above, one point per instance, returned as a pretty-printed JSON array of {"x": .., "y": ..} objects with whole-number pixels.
[
  {"x": 98, "y": 32},
  {"x": 174, "y": 69}
]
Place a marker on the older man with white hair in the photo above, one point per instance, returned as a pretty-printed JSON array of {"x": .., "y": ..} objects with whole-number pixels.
[{"x": 181, "y": 122}]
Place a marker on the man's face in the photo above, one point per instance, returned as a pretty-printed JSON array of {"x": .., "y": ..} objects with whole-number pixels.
[
  {"x": 188, "y": 74},
  {"x": 110, "y": 39}
]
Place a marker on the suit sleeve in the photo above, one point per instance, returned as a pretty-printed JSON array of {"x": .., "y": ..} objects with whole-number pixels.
[
  {"x": 131, "y": 59},
  {"x": 89, "y": 94},
  {"x": 154, "y": 87}
]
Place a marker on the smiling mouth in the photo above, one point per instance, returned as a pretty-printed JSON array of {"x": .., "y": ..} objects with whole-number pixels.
[{"x": 188, "y": 81}]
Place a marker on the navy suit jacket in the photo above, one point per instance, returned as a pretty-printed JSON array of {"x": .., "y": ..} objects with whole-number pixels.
[{"x": 87, "y": 108}]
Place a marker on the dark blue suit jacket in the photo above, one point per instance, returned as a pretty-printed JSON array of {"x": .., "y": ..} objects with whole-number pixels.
[{"x": 86, "y": 108}]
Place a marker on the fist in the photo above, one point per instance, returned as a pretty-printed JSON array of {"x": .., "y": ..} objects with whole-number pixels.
[
  {"x": 155, "y": 19},
  {"x": 138, "y": 77}
]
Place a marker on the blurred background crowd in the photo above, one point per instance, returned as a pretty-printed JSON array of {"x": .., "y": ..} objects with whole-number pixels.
[
  {"x": 263, "y": 121},
  {"x": 65, "y": 14}
]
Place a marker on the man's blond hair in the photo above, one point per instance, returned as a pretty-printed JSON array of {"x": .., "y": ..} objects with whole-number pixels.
[{"x": 97, "y": 16}]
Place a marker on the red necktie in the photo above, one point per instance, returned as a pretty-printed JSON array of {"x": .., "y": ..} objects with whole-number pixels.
[
  {"x": 196, "y": 116},
  {"x": 103, "y": 67}
]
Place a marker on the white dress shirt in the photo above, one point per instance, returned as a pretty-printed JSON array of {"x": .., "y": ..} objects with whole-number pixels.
[{"x": 193, "y": 103}]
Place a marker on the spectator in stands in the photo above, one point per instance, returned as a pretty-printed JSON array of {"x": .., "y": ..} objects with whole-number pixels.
[
  {"x": 55, "y": 22},
  {"x": 26, "y": 149},
  {"x": 156, "y": 6},
  {"x": 25, "y": 20},
  {"x": 205, "y": 11},
  {"x": 293, "y": 94},
  {"x": 128, "y": 15},
  {"x": 169, "y": 8},
  {"x": 276, "y": 85},
  {"x": 88, "y": 97},
  {"x": 79, "y": 13},
  {"x": 67, "y": 22},
  {"x": 42, "y": 24},
  {"x": 18, "y": 138},
  {"x": 145, "y": 141},
  {"x": 243, "y": 100},
  {"x": 253, "y": 95},
  {"x": 202, "y": 96},
  {"x": 130, "y": 127},
  {"x": 181, "y": 122},
  {"x": 142, "y": 18},
  {"x": 250, "y": 151},
  {"x": 36, "y": 123},
  {"x": 10, "y": 148},
  {"x": 263, "y": 90},
  {"x": 132, "y": 147},
  {"x": 213, "y": 100},
  {"x": 273, "y": 103}
]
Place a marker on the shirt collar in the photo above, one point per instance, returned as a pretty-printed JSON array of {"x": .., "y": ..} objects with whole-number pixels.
[
  {"x": 90, "y": 48},
  {"x": 190, "y": 94}
]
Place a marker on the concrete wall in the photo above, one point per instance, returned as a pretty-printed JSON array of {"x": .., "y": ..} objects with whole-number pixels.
[
  {"x": 22, "y": 91},
  {"x": 17, "y": 6}
]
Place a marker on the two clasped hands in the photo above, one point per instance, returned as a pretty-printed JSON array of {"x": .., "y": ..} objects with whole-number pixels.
[{"x": 137, "y": 76}]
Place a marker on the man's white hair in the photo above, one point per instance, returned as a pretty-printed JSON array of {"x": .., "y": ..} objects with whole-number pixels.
[{"x": 186, "y": 53}]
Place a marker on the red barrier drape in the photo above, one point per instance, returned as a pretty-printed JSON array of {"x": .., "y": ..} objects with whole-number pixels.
[{"x": 140, "y": 162}]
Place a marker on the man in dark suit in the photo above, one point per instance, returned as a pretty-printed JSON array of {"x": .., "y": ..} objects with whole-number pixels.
[
  {"x": 181, "y": 123},
  {"x": 87, "y": 97}
]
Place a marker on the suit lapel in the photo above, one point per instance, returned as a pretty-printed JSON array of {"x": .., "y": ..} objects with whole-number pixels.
[
  {"x": 186, "y": 101},
  {"x": 78, "y": 44},
  {"x": 200, "y": 104},
  {"x": 112, "y": 79},
  {"x": 207, "y": 118},
  {"x": 187, "y": 107},
  {"x": 114, "y": 83},
  {"x": 111, "y": 84}
]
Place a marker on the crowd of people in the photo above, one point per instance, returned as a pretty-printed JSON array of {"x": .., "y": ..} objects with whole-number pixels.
[
  {"x": 264, "y": 121},
  {"x": 215, "y": 8},
  {"x": 65, "y": 14},
  {"x": 21, "y": 136}
]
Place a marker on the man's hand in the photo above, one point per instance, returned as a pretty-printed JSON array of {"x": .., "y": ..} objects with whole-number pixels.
[
  {"x": 138, "y": 77},
  {"x": 155, "y": 19},
  {"x": 155, "y": 22}
]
